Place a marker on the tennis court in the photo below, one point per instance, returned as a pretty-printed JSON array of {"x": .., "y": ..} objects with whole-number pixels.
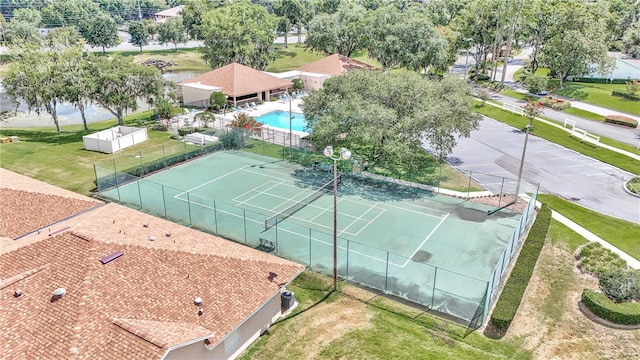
[{"x": 432, "y": 249}]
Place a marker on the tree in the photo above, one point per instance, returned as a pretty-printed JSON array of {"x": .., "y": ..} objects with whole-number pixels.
[
  {"x": 139, "y": 34},
  {"x": 631, "y": 41},
  {"x": 192, "y": 17},
  {"x": 532, "y": 109},
  {"x": 21, "y": 32},
  {"x": 536, "y": 83},
  {"x": 63, "y": 37},
  {"x": 152, "y": 27},
  {"x": 172, "y": 31},
  {"x": 388, "y": 115},
  {"x": 119, "y": 83},
  {"x": 239, "y": 32},
  {"x": 164, "y": 111},
  {"x": 341, "y": 32},
  {"x": 101, "y": 31},
  {"x": 217, "y": 100},
  {"x": 576, "y": 43},
  {"x": 69, "y": 13},
  {"x": 38, "y": 78},
  {"x": 293, "y": 14}
]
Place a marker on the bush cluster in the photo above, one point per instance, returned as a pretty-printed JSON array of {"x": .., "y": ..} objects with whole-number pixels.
[
  {"x": 595, "y": 259},
  {"x": 513, "y": 291},
  {"x": 621, "y": 284},
  {"x": 621, "y": 120},
  {"x": 625, "y": 95},
  {"x": 556, "y": 104},
  {"x": 602, "y": 306}
]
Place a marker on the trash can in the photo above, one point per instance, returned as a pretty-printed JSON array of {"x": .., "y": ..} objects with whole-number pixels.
[{"x": 287, "y": 299}]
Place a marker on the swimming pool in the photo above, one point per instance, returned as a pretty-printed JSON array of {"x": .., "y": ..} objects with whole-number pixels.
[{"x": 280, "y": 119}]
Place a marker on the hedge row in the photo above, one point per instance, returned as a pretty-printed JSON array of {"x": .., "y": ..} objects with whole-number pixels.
[
  {"x": 621, "y": 120},
  {"x": 626, "y": 313},
  {"x": 625, "y": 95},
  {"x": 513, "y": 291},
  {"x": 600, "y": 81}
]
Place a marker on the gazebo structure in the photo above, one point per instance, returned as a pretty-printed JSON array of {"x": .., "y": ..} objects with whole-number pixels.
[{"x": 241, "y": 84}]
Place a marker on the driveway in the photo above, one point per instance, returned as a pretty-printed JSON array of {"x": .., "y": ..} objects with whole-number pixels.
[{"x": 494, "y": 151}]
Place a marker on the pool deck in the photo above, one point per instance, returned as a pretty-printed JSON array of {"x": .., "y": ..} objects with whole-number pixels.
[{"x": 269, "y": 106}]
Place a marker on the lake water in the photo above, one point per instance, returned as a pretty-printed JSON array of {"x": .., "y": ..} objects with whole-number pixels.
[{"x": 68, "y": 114}]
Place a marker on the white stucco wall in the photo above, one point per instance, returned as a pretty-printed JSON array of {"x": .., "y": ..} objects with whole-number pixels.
[
  {"x": 197, "y": 93},
  {"x": 313, "y": 82},
  {"x": 248, "y": 332},
  {"x": 622, "y": 70}
]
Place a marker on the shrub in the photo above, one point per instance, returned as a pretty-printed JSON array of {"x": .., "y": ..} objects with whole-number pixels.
[
  {"x": 482, "y": 77},
  {"x": 621, "y": 120},
  {"x": 602, "y": 306},
  {"x": 217, "y": 100},
  {"x": 599, "y": 81},
  {"x": 511, "y": 295},
  {"x": 621, "y": 285},
  {"x": 596, "y": 259},
  {"x": 556, "y": 104},
  {"x": 297, "y": 84},
  {"x": 186, "y": 130},
  {"x": 634, "y": 185},
  {"x": 625, "y": 95},
  {"x": 536, "y": 83}
]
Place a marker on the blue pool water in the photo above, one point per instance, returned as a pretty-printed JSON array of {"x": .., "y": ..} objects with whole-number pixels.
[{"x": 280, "y": 119}]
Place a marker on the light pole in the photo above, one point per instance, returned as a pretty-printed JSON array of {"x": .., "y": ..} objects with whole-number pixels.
[
  {"x": 290, "y": 128},
  {"x": 524, "y": 151},
  {"x": 344, "y": 155}
]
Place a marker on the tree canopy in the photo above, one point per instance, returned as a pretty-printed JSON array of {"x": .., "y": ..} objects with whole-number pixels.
[
  {"x": 239, "y": 32},
  {"x": 383, "y": 116},
  {"x": 172, "y": 31},
  {"x": 101, "y": 30},
  {"x": 139, "y": 34},
  {"x": 341, "y": 32}
]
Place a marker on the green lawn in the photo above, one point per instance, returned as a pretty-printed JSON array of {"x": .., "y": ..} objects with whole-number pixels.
[
  {"x": 60, "y": 158},
  {"x": 292, "y": 58},
  {"x": 562, "y": 138},
  {"x": 598, "y": 94},
  {"x": 584, "y": 114},
  {"x": 620, "y": 233},
  {"x": 378, "y": 328}
]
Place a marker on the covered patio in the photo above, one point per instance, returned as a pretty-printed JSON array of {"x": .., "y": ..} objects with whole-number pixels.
[{"x": 240, "y": 84}]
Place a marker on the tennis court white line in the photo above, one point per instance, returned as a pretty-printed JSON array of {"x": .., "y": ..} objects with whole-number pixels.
[
  {"x": 210, "y": 181},
  {"x": 372, "y": 220},
  {"x": 249, "y": 191},
  {"x": 425, "y": 240},
  {"x": 444, "y": 213},
  {"x": 360, "y": 217},
  {"x": 259, "y": 193},
  {"x": 305, "y": 236}
]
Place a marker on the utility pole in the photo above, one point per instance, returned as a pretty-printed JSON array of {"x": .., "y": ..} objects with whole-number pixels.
[{"x": 139, "y": 11}]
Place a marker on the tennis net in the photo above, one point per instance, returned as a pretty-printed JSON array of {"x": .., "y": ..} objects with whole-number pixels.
[{"x": 300, "y": 204}]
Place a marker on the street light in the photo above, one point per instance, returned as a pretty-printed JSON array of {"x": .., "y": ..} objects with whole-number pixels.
[
  {"x": 344, "y": 155},
  {"x": 524, "y": 151},
  {"x": 290, "y": 128}
]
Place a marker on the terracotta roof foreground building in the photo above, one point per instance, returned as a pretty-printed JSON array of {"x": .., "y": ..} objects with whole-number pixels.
[{"x": 141, "y": 303}]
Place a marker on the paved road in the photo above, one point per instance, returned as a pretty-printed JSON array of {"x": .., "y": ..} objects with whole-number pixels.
[
  {"x": 494, "y": 151},
  {"x": 622, "y": 134}
]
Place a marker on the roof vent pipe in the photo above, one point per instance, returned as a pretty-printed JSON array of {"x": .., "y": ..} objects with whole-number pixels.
[{"x": 198, "y": 301}]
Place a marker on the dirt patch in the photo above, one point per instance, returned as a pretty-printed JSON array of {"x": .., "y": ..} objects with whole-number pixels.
[
  {"x": 498, "y": 201},
  {"x": 550, "y": 323}
]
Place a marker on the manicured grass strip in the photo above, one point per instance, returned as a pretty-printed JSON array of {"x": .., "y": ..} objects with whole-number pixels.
[
  {"x": 518, "y": 95},
  {"x": 598, "y": 94},
  {"x": 511, "y": 295},
  {"x": 584, "y": 114},
  {"x": 619, "y": 233},
  {"x": 562, "y": 138}
]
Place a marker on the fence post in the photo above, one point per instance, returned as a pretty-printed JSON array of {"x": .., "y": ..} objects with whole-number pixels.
[
  {"x": 139, "y": 192},
  {"x": 115, "y": 176},
  {"x": 164, "y": 201},
  {"x": 164, "y": 156},
  {"x": 189, "y": 207},
  {"x": 501, "y": 189},
  {"x": 386, "y": 274},
  {"x": 244, "y": 219},
  {"x": 309, "y": 246},
  {"x": 433, "y": 289},
  {"x": 487, "y": 302},
  {"x": 215, "y": 216},
  {"x": 277, "y": 236},
  {"x": 140, "y": 157},
  {"x": 348, "y": 243}
]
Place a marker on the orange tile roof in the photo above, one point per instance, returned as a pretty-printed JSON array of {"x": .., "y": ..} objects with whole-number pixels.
[
  {"x": 335, "y": 64},
  {"x": 237, "y": 80},
  {"x": 137, "y": 306}
]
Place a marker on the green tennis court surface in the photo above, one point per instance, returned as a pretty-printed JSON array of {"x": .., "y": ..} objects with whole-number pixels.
[{"x": 432, "y": 249}]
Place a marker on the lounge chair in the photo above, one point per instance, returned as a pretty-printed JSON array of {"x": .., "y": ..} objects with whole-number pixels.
[
  {"x": 253, "y": 105},
  {"x": 248, "y": 107}
]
